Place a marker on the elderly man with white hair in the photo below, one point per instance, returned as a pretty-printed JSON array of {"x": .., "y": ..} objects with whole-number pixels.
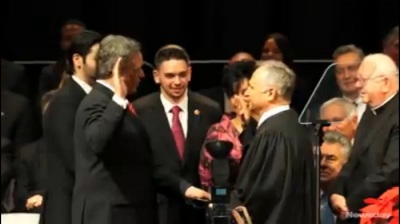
[
  {"x": 335, "y": 152},
  {"x": 276, "y": 178},
  {"x": 373, "y": 167},
  {"x": 343, "y": 116}
]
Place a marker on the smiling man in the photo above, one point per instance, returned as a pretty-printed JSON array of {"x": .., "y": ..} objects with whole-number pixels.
[
  {"x": 177, "y": 121},
  {"x": 347, "y": 59}
]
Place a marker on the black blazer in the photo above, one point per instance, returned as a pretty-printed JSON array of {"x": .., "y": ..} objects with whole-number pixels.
[
  {"x": 58, "y": 132},
  {"x": 113, "y": 164},
  {"x": 31, "y": 174},
  {"x": 174, "y": 175},
  {"x": 13, "y": 78},
  {"x": 16, "y": 119},
  {"x": 373, "y": 167}
]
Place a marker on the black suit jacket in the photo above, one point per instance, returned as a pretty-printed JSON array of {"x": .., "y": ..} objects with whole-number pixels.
[
  {"x": 31, "y": 172},
  {"x": 174, "y": 175},
  {"x": 16, "y": 119},
  {"x": 7, "y": 174},
  {"x": 58, "y": 133},
  {"x": 373, "y": 167},
  {"x": 113, "y": 164},
  {"x": 13, "y": 78}
]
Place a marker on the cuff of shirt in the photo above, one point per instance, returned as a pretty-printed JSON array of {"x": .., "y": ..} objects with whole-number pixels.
[
  {"x": 183, "y": 186},
  {"x": 120, "y": 101}
]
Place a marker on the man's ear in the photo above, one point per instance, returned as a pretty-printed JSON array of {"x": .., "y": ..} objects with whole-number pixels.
[
  {"x": 189, "y": 73},
  {"x": 156, "y": 76}
]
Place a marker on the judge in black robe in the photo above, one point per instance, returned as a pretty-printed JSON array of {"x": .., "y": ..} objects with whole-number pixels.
[{"x": 276, "y": 182}]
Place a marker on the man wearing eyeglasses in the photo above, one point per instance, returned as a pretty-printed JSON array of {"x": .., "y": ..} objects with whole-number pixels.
[
  {"x": 347, "y": 59},
  {"x": 373, "y": 166}
]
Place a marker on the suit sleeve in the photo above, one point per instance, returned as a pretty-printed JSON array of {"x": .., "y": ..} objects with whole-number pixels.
[
  {"x": 100, "y": 123},
  {"x": 386, "y": 176}
]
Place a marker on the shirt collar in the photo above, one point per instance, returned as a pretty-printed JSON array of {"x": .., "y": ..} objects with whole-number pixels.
[
  {"x": 271, "y": 113},
  {"x": 104, "y": 83},
  {"x": 86, "y": 87},
  {"x": 383, "y": 104},
  {"x": 169, "y": 105}
]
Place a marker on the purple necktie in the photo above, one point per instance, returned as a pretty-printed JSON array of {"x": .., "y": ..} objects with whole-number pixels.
[{"x": 177, "y": 131}]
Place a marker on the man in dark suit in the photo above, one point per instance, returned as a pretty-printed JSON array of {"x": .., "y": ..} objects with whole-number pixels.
[
  {"x": 113, "y": 156},
  {"x": 373, "y": 167},
  {"x": 13, "y": 78},
  {"x": 177, "y": 121},
  {"x": 58, "y": 127},
  {"x": 16, "y": 119}
]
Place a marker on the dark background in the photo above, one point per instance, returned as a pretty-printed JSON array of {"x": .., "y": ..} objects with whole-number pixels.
[{"x": 208, "y": 29}]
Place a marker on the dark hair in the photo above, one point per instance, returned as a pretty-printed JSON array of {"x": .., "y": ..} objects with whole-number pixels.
[
  {"x": 73, "y": 22},
  {"x": 234, "y": 74},
  {"x": 46, "y": 98},
  {"x": 81, "y": 44},
  {"x": 283, "y": 44},
  {"x": 170, "y": 52},
  {"x": 390, "y": 37}
]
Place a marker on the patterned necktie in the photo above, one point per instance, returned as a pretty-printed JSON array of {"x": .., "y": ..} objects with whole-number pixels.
[
  {"x": 131, "y": 109},
  {"x": 177, "y": 130}
]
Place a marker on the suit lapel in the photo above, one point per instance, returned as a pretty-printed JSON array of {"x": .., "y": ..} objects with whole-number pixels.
[{"x": 194, "y": 118}]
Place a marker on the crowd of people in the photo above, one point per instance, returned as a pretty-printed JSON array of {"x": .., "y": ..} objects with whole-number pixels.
[{"x": 107, "y": 157}]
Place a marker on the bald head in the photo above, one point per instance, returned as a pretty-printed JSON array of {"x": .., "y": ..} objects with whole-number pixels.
[
  {"x": 378, "y": 79},
  {"x": 241, "y": 56}
]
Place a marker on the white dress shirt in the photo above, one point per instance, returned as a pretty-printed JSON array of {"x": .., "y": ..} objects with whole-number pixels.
[
  {"x": 86, "y": 87},
  {"x": 117, "y": 99},
  {"x": 183, "y": 115},
  {"x": 360, "y": 107},
  {"x": 271, "y": 113}
]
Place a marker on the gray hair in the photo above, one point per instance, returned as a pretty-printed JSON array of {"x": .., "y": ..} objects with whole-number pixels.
[
  {"x": 391, "y": 36},
  {"x": 333, "y": 137},
  {"x": 111, "y": 48},
  {"x": 346, "y": 104},
  {"x": 345, "y": 49},
  {"x": 279, "y": 75}
]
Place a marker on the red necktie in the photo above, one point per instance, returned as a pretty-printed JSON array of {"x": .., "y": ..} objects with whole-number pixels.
[
  {"x": 177, "y": 130},
  {"x": 131, "y": 109}
]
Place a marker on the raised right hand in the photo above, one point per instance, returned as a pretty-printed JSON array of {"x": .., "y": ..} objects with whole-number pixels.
[{"x": 118, "y": 80}]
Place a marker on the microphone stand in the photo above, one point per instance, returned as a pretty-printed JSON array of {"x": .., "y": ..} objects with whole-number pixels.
[{"x": 318, "y": 135}]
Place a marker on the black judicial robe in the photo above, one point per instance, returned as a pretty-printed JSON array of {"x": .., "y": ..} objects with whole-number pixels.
[{"x": 276, "y": 182}]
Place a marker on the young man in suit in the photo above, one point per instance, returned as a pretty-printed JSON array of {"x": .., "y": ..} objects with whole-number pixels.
[
  {"x": 58, "y": 127},
  {"x": 177, "y": 121},
  {"x": 373, "y": 166},
  {"x": 113, "y": 156}
]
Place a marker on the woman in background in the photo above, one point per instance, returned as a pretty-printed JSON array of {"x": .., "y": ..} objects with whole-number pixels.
[
  {"x": 234, "y": 82},
  {"x": 277, "y": 47}
]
